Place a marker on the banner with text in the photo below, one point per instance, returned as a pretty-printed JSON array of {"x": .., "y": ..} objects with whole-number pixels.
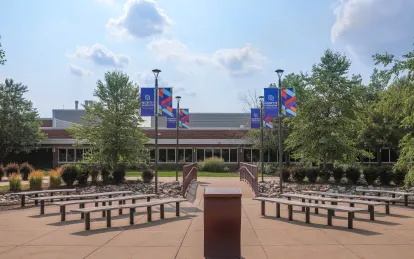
[
  {"x": 255, "y": 118},
  {"x": 271, "y": 97},
  {"x": 184, "y": 118},
  {"x": 147, "y": 101},
  {"x": 165, "y": 102},
  {"x": 267, "y": 121},
  {"x": 288, "y": 102},
  {"x": 172, "y": 121}
]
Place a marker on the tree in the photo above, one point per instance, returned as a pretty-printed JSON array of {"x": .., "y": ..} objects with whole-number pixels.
[
  {"x": 2, "y": 55},
  {"x": 113, "y": 122},
  {"x": 325, "y": 128},
  {"x": 20, "y": 123}
]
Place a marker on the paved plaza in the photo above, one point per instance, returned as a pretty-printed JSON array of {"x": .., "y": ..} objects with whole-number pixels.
[{"x": 26, "y": 234}]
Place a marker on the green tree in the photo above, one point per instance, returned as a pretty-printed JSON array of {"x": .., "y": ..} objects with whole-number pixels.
[
  {"x": 20, "y": 123},
  {"x": 2, "y": 55},
  {"x": 325, "y": 128},
  {"x": 113, "y": 125}
]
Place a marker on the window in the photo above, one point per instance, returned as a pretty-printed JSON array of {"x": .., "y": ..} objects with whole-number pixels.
[
  {"x": 247, "y": 155},
  {"x": 255, "y": 155},
  {"x": 209, "y": 153},
  {"x": 393, "y": 156},
  {"x": 62, "y": 155},
  {"x": 217, "y": 152},
  {"x": 162, "y": 155},
  {"x": 71, "y": 155},
  {"x": 79, "y": 155},
  {"x": 385, "y": 155},
  {"x": 200, "y": 155},
  {"x": 181, "y": 155},
  {"x": 188, "y": 155},
  {"x": 171, "y": 155},
  {"x": 152, "y": 155},
  {"x": 225, "y": 154},
  {"x": 266, "y": 156},
  {"x": 272, "y": 156},
  {"x": 233, "y": 155}
]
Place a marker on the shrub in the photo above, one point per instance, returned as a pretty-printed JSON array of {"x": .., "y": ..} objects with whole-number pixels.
[
  {"x": 370, "y": 174},
  {"x": 55, "y": 178},
  {"x": 312, "y": 174},
  {"x": 95, "y": 175},
  {"x": 15, "y": 182},
  {"x": 82, "y": 175},
  {"x": 338, "y": 173},
  {"x": 69, "y": 173},
  {"x": 213, "y": 164},
  {"x": 298, "y": 173},
  {"x": 25, "y": 170},
  {"x": 105, "y": 174},
  {"x": 353, "y": 174},
  {"x": 35, "y": 180},
  {"x": 324, "y": 175},
  {"x": 2, "y": 171},
  {"x": 118, "y": 175},
  {"x": 270, "y": 168},
  {"x": 285, "y": 173},
  {"x": 147, "y": 175},
  {"x": 226, "y": 169},
  {"x": 399, "y": 176},
  {"x": 385, "y": 174},
  {"x": 12, "y": 168}
]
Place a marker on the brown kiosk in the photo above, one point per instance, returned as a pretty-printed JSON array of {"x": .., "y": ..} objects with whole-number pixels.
[{"x": 222, "y": 223}]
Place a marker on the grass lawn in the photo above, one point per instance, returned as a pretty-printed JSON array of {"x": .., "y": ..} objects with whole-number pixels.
[{"x": 180, "y": 174}]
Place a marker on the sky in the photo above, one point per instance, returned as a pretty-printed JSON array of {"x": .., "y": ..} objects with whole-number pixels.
[{"x": 212, "y": 52}]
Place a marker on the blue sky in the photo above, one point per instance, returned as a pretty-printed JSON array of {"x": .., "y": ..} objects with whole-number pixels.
[{"x": 211, "y": 51}]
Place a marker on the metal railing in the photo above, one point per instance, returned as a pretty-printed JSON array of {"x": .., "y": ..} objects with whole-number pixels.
[
  {"x": 189, "y": 175},
  {"x": 250, "y": 174}
]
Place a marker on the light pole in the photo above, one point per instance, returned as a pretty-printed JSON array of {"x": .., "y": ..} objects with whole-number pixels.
[
  {"x": 156, "y": 72},
  {"x": 177, "y": 123},
  {"x": 280, "y": 73},
  {"x": 261, "y": 136}
]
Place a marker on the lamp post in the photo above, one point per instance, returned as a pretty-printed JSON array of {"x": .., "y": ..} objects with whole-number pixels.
[
  {"x": 177, "y": 123},
  {"x": 280, "y": 73},
  {"x": 156, "y": 72},
  {"x": 261, "y": 136}
]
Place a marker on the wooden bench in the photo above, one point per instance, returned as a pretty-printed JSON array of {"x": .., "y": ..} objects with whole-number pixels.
[
  {"x": 79, "y": 196},
  {"x": 82, "y": 203},
  {"x": 393, "y": 193},
  {"x": 36, "y": 194},
  {"x": 290, "y": 204},
  {"x": 330, "y": 194},
  {"x": 132, "y": 208},
  {"x": 333, "y": 201},
  {"x": 387, "y": 200}
]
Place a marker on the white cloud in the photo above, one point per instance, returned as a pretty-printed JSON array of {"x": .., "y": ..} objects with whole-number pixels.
[
  {"x": 141, "y": 19},
  {"x": 100, "y": 55},
  {"x": 78, "y": 71},
  {"x": 370, "y": 26},
  {"x": 238, "y": 62}
]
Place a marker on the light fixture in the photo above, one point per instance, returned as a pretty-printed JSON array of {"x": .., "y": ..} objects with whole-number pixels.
[
  {"x": 279, "y": 72},
  {"x": 156, "y": 72}
]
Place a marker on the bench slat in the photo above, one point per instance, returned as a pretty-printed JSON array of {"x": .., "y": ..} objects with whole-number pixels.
[
  {"x": 332, "y": 194},
  {"x": 121, "y": 198},
  {"x": 80, "y": 195},
  {"x": 377, "y": 198},
  {"x": 44, "y": 191},
  {"x": 385, "y": 191},
  {"x": 316, "y": 198}
]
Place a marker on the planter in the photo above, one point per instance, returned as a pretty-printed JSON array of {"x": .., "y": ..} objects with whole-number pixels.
[{"x": 36, "y": 186}]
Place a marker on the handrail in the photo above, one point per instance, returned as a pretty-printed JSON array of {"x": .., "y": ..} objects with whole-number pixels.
[
  {"x": 249, "y": 174},
  {"x": 248, "y": 171},
  {"x": 189, "y": 176}
]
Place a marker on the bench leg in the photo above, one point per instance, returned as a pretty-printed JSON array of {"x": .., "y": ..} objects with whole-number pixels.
[
  {"x": 81, "y": 206},
  {"x": 36, "y": 201},
  {"x": 263, "y": 208},
  {"x": 405, "y": 200},
  {"x": 350, "y": 220},
  {"x": 330, "y": 214},
  {"x": 177, "y": 209},
  {"x": 352, "y": 205},
  {"x": 133, "y": 201},
  {"x": 363, "y": 193},
  {"x": 290, "y": 208},
  {"x": 149, "y": 214},
  {"x": 277, "y": 210},
  {"x": 393, "y": 195},
  {"x": 23, "y": 200},
  {"x": 120, "y": 210},
  {"x": 42, "y": 207},
  {"x": 87, "y": 221},
  {"x": 51, "y": 195},
  {"x": 387, "y": 208},
  {"x": 334, "y": 203},
  {"x": 323, "y": 196},
  {"x": 303, "y": 208},
  {"x": 96, "y": 204},
  {"x": 103, "y": 212},
  {"x": 131, "y": 216},
  {"x": 148, "y": 199},
  {"x": 62, "y": 213},
  {"x": 162, "y": 211},
  {"x": 316, "y": 209},
  {"x": 307, "y": 215},
  {"x": 289, "y": 198},
  {"x": 371, "y": 212},
  {"x": 378, "y": 194},
  {"x": 108, "y": 218}
]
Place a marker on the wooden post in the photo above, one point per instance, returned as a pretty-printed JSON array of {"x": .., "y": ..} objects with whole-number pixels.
[
  {"x": 330, "y": 217},
  {"x": 62, "y": 213},
  {"x": 162, "y": 211},
  {"x": 36, "y": 201},
  {"x": 387, "y": 208},
  {"x": 352, "y": 204},
  {"x": 307, "y": 215},
  {"x": 316, "y": 209},
  {"x": 131, "y": 216},
  {"x": 103, "y": 212},
  {"x": 148, "y": 199},
  {"x": 303, "y": 208},
  {"x": 350, "y": 219},
  {"x": 42, "y": 207},
  {"x": 406, "y": 200},
  {"x": 87, "y": 221},
  {"x": 371, "y": 212},
  {"x": 263, "y": 208},
  {"x": 290, "y": 208},
  {"x": 393, "y": 195},
  {"x": 149, "y": 214},
  {"x": 277, "y": 210},
  {"x": 81, "y": 206},
  {"x": 177, "y": 209},
  {"x": 120, "y": 210},
  {"x": 108, "y": 218},
  {"x": 23, "y": 200}
]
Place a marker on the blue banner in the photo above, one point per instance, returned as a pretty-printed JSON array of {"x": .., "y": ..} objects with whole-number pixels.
[
  {"x": 172, "y": 121},
  {"x": 271, "y": 98},
  {"x": 255, "y": 118},
  {"x": 147, "y": 101}
]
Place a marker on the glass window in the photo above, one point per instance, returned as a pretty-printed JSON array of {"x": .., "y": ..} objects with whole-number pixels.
[
  {"x": 233, "y": 155},
  {"x": 71, "y": 155},
  {"x": 266, "y": 156},
  {"x": 225, "y": 154},
  {"x": 188, "y": 155},
  {"x": 393, "y": 156},
  {"x": 385, "y": 155},
  {"x": 272, "y": 156},
  {"x": 181, "y": 155},
  {"x": 217, "y": 152},
  {"x": 247, "y": 155},
  {"x": 255, "y": 155},
  {"x": 162, "y": 155},
  {"x": 200, "y": 155},
  {"x": 171, "y": 155},
  {"x": 62, "y": 155},
  {"x": 209, "y": 153},
  {"x": 79, "y": 155},
  {"x": 152, "y": 155}
]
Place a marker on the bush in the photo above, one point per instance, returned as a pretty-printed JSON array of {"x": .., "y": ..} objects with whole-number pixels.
[
  {"x": 370, "y": 174},
  {"x": 298, "y": 173},
  {"x": 118, "y": 175},
  {"x": 105, "y": 175},
  {"x": 399, "y": 176},
  {"x": 69, "y": 173},
  {"x": 2, "y": 171},
  {"x": 213, "y": 164},
  {"x": 25, "y": 170},
  {"x": 338, "y": 173},
  {"x": 55, "y": 178},
  {"x": 269, "y": 169},
  {"x": 226, "y": 169},
  {"x": 35, "y": 180},
  {"x": 285, "y": 173},
  {"x": 147, "y": 175},
  {"x": 82, "y": 175},
  {"x": 324, "y": 175},
  {"x": 312, "y": 174},
  {"x": 12, "y": 168},
  {"x": 353, "y": 174},
  {"x": 95, "y": 175},
  {"x": 15, "y": 182},
  {"x": 385, "y": 174}
]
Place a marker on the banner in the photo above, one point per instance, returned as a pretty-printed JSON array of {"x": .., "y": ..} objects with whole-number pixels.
[
  {"x": 255, "y": 118},
  {"x": 184, "y": 118},
  {"x": 165, "y": 102},
  {"x": 267, "y": 121},
  {"x": 271, "y": 97},
  {"x": 172, "y": 121},
  {"x": 147, "y": 101},
  {"x": 288, "y": 102}
]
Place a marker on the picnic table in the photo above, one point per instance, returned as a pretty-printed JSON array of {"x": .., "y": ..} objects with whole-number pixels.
[
  {"x": 393, "y": 193},
  {"x": 36, "y": 194}
]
